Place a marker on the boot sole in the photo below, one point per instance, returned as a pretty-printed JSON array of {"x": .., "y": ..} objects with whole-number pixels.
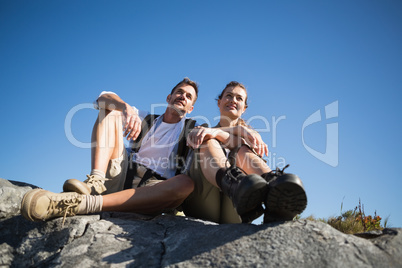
[
  {"x": 27, "y": 204},
  {"x": 286, "y": 198},
  {"x": 252, "y": 197},
  {"x": 252, "y": 215},
  {"x": 74, "y": 185}
]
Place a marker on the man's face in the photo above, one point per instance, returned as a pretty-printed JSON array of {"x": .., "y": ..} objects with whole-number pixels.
[{"x": 182, "y": 99}]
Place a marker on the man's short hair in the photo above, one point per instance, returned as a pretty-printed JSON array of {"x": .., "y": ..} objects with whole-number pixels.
[{"x": 187, "y": 81}]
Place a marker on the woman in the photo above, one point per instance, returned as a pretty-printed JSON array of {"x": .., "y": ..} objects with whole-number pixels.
[
  {"x": 242, "y": 147},
  {"x": 232, "y": 103}
]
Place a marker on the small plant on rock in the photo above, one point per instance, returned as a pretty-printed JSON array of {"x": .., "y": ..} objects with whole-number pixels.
[{"x": 354, "y": 221}]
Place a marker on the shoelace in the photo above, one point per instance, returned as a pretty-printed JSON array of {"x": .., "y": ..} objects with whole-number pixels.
[
  {"x": 92, "y": 181},
  {"x": 233, "y": 168},
  {"x": 230, "y": 174},
  {"x": 97, "y": 183},
  {"x": 279, "y": 172},
  {"x": 65, "y": 206}
]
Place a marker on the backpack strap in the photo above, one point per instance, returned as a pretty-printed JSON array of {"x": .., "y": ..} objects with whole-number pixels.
[
  {"x": 145, "y": 127},
  {"x": 183, "y": 149},
  {"x": 135, "y": 146}
]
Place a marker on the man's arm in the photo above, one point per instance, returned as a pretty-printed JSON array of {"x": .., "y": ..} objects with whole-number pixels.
[{"x": 110, "y": 102}]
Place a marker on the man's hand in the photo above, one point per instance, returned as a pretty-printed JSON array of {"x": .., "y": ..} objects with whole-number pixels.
[{"x": 132, "y": 127}]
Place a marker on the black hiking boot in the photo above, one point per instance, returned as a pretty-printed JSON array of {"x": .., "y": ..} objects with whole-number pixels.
[
  {"x": 286, "y": 196},
  {"x": 247, "y": 193}
]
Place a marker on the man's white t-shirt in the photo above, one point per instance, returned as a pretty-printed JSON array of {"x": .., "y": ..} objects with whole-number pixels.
[{"x": 159, "y": 146}]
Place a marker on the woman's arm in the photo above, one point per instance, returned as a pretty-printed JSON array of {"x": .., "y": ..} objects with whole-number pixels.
[
  {"x": 201, "y": 134},
  {"x": 252, "y": 137}
]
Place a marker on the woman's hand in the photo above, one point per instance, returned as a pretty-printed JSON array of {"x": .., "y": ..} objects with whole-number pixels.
[
  {"x": 200, "y": 134},
  {"x": 253, "y": 138},
  {"x": 259, "y": 145}
]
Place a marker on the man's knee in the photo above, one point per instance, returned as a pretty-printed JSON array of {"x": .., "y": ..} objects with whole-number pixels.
[
  {"x": 110, "y": 116},
  {"x": 111, "y": 121},
  {"x": 186, "y": 185}
]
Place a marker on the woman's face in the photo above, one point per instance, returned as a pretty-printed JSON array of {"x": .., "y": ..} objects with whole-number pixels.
[{"x": 233, "y": 102}]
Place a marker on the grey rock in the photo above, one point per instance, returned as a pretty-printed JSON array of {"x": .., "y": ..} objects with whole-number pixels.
[
  {"x": 11, "y": 193},
  {"x": 133, "y": 240}
]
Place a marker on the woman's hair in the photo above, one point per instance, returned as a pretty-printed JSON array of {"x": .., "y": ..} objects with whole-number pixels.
[{"x": 234, "y": 84}]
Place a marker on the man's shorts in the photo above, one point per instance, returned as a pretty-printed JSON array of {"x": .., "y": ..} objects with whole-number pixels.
[
  {"x": 116, "y": 173},
  {"x": 139, "y": 176},
  {"x": 122, "y": 169}
]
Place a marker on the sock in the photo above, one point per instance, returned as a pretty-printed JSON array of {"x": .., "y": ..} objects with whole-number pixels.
[
  {"x": 98, "y": 172},
  {"x": 219, "y": 175},
  {"x": 90, "y": 204}
]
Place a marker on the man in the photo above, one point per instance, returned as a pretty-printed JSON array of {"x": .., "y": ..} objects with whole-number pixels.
[
  {"x": 154, "y": 152},
  {"x": 109, "y": 157}
]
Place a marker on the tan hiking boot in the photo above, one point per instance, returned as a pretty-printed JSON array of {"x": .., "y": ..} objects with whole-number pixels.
[
  {"x": 94, "y": 185},
  {"x": 42, "y": 205}
]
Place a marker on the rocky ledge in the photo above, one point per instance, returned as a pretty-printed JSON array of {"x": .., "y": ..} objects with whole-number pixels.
[{"x": 133, "y": 240}]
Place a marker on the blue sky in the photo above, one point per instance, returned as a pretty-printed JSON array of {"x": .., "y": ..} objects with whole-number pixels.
[{"x": 295, "y": 57}]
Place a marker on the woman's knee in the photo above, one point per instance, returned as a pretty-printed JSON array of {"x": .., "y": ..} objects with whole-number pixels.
[
  {"x": 245, "y": 148},
  {"x": 209, "y": 145},
  {"x": 248, "y": 160}
]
